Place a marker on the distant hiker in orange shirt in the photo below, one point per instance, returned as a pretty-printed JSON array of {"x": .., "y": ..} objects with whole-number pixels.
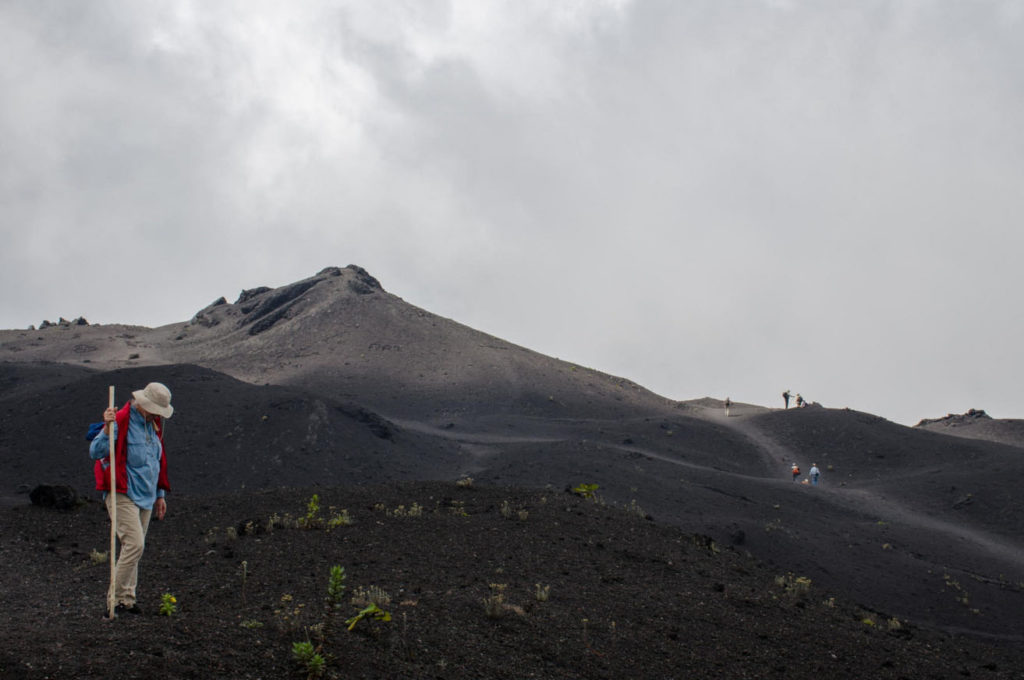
[{"x": 796, "y": 471}]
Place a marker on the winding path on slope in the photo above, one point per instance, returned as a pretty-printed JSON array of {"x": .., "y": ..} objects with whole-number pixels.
[
  {"x": 872, "y": 503},
  {"x": 483, "y": 444},
  {"x": 775, "y": 456}
]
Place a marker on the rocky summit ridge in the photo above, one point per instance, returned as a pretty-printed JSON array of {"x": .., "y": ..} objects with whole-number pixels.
[{"x": 340, "y": 332}]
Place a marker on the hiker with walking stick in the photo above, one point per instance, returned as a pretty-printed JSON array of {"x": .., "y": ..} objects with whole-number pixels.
[{"x": 140, "y": 467}]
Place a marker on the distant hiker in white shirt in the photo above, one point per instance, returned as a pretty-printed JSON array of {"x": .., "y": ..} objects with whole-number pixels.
[{"x": 815, "y": 472}]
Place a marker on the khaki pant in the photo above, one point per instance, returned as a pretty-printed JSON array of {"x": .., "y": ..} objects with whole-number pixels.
[{"x": 132, "y": 524}]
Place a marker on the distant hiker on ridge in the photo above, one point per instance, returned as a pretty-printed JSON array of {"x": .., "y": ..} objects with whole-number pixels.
[
  {"x": 799, "y": 401},
  {"x": 796, "y": 471},
  {"x": 785, "y": 398},
  {"x": 815, "y": 472},
  {"x": 728, "y": 403}
]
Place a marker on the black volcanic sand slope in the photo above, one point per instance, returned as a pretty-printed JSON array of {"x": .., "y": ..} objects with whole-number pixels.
[
  {"x": 968, "y": 482},
  {"x": 225, "y": 434},
  {"x": 913, "y": 522},
  {"x": 918, "y": 525},
  {"x": 479, "y": 583}
]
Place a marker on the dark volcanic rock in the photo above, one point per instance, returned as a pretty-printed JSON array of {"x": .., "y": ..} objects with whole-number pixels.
[
  {"x": 955, "y": 419},
  {"x": 204, "y": 316},
  {"x": 363, "y": 284},
  {"x": 977, "y": 424},
  {"x": 60, "y": 496},
  {"x": 250, "y": 293}
]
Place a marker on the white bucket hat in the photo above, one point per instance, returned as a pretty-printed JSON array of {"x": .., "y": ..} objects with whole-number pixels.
[{"x": 155, "y": 398}]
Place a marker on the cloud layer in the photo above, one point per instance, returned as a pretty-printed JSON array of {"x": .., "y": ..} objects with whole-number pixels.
[{"x": 709, "y": 198}]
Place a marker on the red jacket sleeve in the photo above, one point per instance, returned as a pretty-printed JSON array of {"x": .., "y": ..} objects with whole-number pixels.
[{"x": 162, "y": 482}]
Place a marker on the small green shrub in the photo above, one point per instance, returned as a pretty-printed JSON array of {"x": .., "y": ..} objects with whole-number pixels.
[
  {"x": 587, "y": 491},
  {"x": 168, "y": 604},
  {"x": 309, "y": 658},
  {"x": 312, "y": 519},
  {"x": 335, "y": 588},
  {"x": 370, "y": 611}
]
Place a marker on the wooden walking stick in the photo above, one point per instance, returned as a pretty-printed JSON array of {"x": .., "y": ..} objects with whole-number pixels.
[{"x": 112, "y": 593}]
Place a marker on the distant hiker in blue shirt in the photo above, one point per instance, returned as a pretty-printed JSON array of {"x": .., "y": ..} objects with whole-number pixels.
[
  {"x": 815, "y": 472},
  {"x": 141, "y": 479}
]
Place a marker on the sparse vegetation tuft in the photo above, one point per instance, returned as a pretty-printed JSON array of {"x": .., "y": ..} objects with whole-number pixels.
[
  {"x": 311, "y": 660},
  {"x": 370, "y": 611},
  {"x": 339, "y": 518},
  {"x": 312, "y": 519},
  {"x": 794, "y": 586},
  {"x": 588, "y": 491},
  {"x": 335, "y": 588},
  {"x": 362, "y": 597},
  {"x": 634, "y": 509},
  {"x": 494, "y": 604},
  {"x": 414, "y": 510},
  {"x": 168, "y": 605}
]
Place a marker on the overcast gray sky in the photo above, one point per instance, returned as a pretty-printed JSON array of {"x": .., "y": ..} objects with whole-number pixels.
[{"x": 707, "y": 197}]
